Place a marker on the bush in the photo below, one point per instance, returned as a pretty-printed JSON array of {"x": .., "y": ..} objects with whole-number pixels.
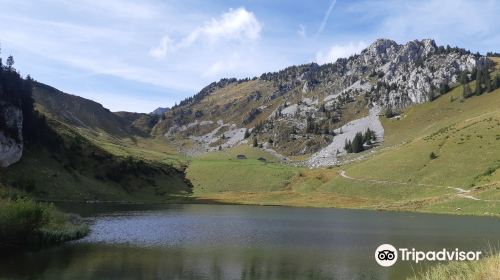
[
  {"x": 20, "y": 221},
  {"x": 25, "y": 224},
  {"x": 433, "y": 156},
  {"x": 389, "y": 113}
]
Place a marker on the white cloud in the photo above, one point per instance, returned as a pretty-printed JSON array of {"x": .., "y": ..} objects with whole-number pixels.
[
  {"x": 235, "y": 24},
  {"x": 339, "y": 51},
  {"x": 166, "y": 45},
  {"x": 302, "y": 31}
]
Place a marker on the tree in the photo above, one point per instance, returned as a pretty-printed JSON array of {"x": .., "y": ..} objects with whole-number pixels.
[
  {"x": 479, "y": 88},
  {"x": 348, "y": 146},
  {"x": 464, "y": 77},
  {"x": 444, "y": 88},
  {"x": 487, "y": 83},
  {"x": 473, "y": 74},
  {"x": 247, "y": 133},
  {"x": 433, "y": 156},
  {"x": 369, "y": 136},
  {"x": 310, "y": 125},
  {"x": 10, "y": 61},
  {"x": 467, "y": 92},
  {"x": 255, "y": 142},
  {"x": 496, "y": 82},
  {"x": 357, "y": 143},
  {"x": 389, "y": 113}
]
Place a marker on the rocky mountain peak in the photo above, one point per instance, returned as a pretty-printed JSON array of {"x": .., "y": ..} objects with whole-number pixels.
[
  {"x": 302, "y": 108},
  {"x": 381, "y": 46}
]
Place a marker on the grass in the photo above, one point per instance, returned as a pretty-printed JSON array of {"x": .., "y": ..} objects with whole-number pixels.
[
  {"x": 28, "y": 224},
  {"x": 80, "y": 170},
  {"x": 222, "y": 171},
  {"x": 456, "y": 132},
  {"x": 484, "y": 269}
]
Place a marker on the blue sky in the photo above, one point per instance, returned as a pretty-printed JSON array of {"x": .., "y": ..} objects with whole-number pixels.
[{"x": 139, "y": 55}]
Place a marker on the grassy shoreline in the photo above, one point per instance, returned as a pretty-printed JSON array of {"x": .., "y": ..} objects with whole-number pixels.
[
  {"x": 26, "y": 224},
  {"x": 245, "y": 201},
  {"x": 484, "y": 269}
]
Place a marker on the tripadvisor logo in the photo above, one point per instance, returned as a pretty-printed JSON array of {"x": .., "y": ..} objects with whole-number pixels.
[{"x": 387, "y": 255}]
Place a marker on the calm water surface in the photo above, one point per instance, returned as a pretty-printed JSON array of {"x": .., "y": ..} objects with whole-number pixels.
[{"x": 244, "y": 242}]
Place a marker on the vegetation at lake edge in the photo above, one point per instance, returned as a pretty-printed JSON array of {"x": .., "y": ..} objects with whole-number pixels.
[
  {"x": 484, "y": 269},
  {"x": 28, "y": 224}
]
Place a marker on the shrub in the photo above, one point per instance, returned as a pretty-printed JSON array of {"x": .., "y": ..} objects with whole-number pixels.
[
  {"x": 20, "y": 221},
  {"x": 433, "y": 156},
  {"x": 389, "y": 113},
  {"x": 25, "y": 223}
]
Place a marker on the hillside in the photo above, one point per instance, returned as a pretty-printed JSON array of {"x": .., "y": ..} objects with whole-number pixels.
[
  {"x": 300, "y": 110},
  {"x": 398, "y": 174},
  {"x": 422, "y": 154},
  {"x": 84, "y": 113},
  {"x": 65, "y": 165},
  {"x": 74, "y": 149}
]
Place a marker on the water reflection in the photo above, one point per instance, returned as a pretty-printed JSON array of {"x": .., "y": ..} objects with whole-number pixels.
[{"x": 246, "y": 242}]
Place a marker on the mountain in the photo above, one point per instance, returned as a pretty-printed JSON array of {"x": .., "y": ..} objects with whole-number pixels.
[
  {"x": 58, "y": 152},
  {"x": 140, "y": 121},
  {"x": 160, "y": 111},
  {"x": 82, "y": 113},
  {"x": 314, "y": 109}
]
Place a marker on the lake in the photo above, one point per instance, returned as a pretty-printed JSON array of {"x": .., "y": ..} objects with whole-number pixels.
[{"x": 245, "y": 242}]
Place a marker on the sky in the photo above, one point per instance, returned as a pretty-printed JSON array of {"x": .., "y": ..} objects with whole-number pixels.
[{"x": 139, "y": 55}]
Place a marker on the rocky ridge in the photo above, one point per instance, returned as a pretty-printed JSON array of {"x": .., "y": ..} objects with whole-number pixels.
[{"x": 302, "y": 109}]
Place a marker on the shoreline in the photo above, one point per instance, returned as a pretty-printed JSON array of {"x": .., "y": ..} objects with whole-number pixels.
[{"x": 211, "y": 201}]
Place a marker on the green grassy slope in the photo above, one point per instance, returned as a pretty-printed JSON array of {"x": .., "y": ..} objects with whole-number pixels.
[
  {"x": 464, "y": 134},
  {"x": 80, "y": 112},
  {"x": 222, "y": 171},
  {"x": 77, "y": 169}
]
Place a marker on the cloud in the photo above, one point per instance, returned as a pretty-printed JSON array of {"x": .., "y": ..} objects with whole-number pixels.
[
  {"x": 325, "y": 18},
  {"x": 166, "y": 45},
  {"x": 235, "y": 24},
  {"x": 339, "y": 51},
  {"x": 302, "y": 31}
]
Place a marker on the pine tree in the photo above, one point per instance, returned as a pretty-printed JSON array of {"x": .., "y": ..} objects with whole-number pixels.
[
  {"x": 487, "y": 83},
  {"x": 479, "y": 88},
  {"x": 473, "y": 74},
  {"x": 247, "y": 133},
  {"x": 496, "y": 82},
  {"x": 467, "y": 92},
  {"x": 348, "y": 146},
  {"x": 10, "y": 62},
  {"x": 255, "y": 142},
  {"x": 357, "y": 143},
  {"x": 464, "y": 78}
]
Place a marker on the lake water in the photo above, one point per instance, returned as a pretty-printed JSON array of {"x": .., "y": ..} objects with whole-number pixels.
[{"x": 245, "y": 242}]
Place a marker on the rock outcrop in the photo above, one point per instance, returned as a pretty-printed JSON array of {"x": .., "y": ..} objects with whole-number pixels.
[
  {"x": 300, "y": 110},
  {"x": 11, "y": 138}
]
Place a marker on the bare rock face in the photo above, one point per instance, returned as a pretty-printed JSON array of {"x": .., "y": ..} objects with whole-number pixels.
[
  {"x": 303, "y": 109},
  {"x": 11, "y": 138}
]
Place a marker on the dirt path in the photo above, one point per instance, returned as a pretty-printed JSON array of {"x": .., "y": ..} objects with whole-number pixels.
[{"x": 460, "y": 192}]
